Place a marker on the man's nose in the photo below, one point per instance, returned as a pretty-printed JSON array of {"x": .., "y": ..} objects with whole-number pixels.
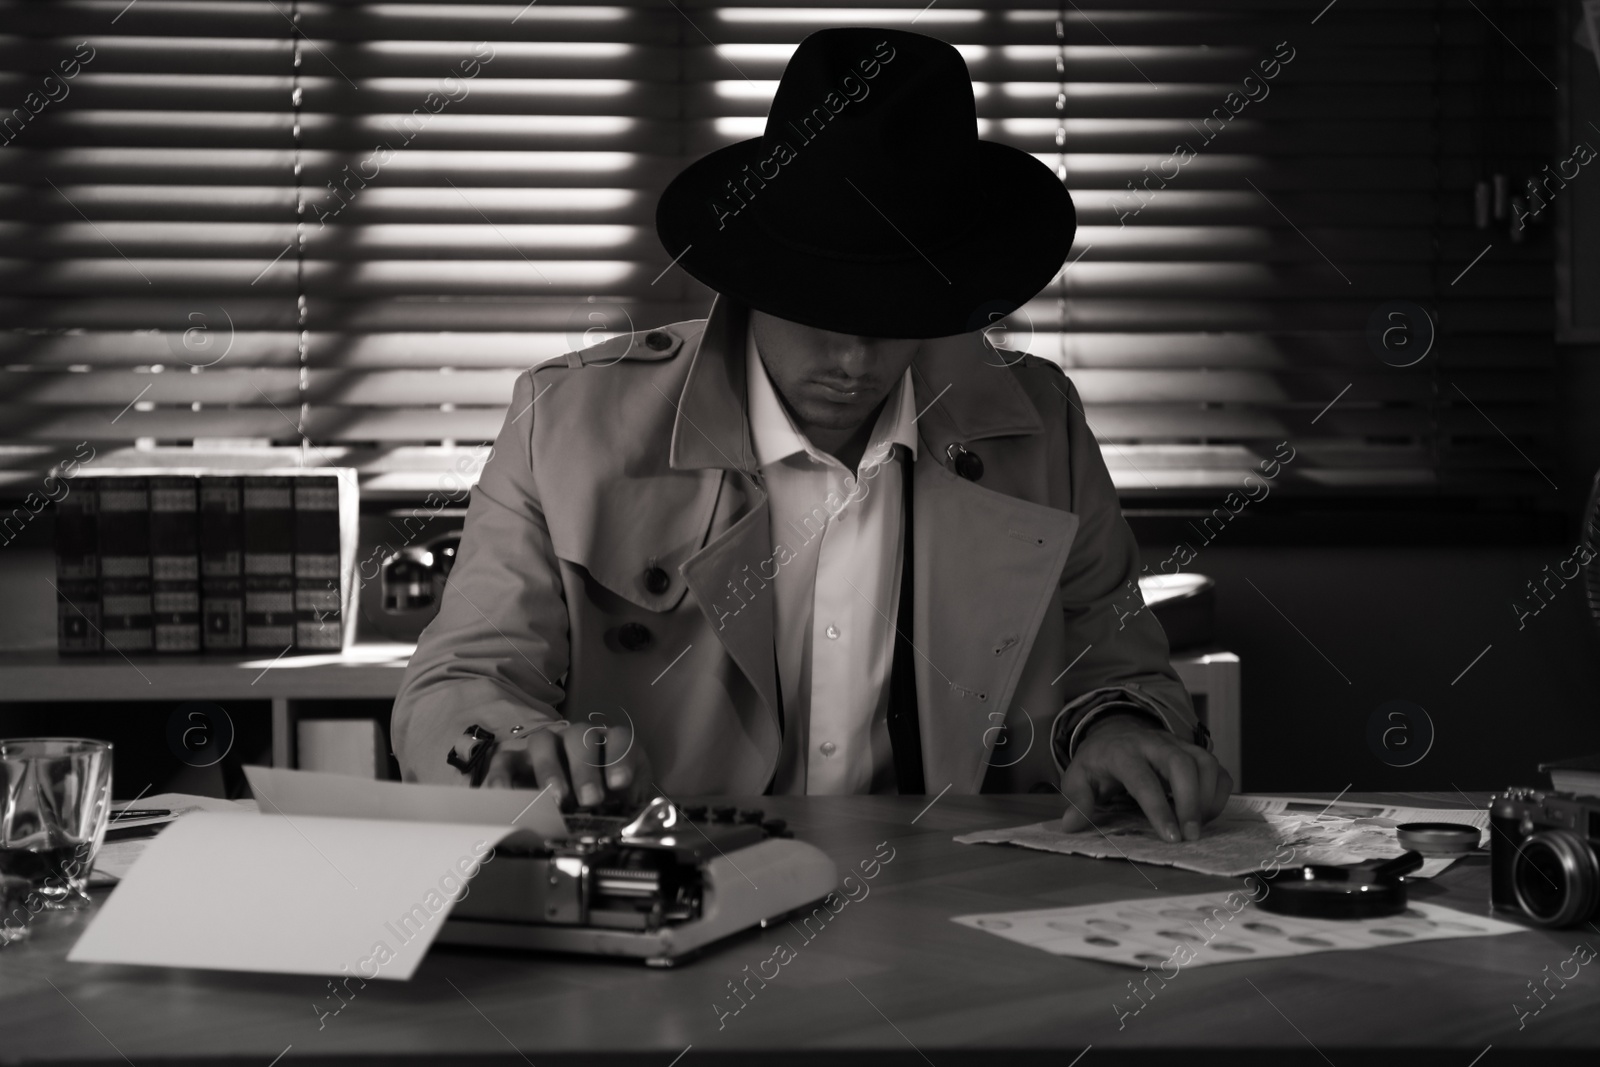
[{"x": 855, "y": 357}]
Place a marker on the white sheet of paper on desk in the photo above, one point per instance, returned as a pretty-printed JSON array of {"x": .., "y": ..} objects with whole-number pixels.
[
  {"x": 287, "y": 792},
  {"x": 116, "y": 856},
  {"x": 289, "y": 894},
  {"x": 1251, "y": 832},
  {"x": 1221, "y": 927}
]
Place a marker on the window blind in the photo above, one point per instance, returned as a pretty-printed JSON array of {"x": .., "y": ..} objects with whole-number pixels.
[{"x": 343, "y": 228}]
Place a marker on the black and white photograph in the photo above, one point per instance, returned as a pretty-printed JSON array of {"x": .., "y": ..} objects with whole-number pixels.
[{"x": 894, "y": 534}]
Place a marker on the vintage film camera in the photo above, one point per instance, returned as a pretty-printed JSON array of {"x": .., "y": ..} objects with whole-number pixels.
[
  {"x": 657, "y": 887},
  {"x": 1542, "y": 855}
]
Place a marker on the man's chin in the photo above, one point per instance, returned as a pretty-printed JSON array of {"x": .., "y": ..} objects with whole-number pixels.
[{"x": 826, "y": 416}]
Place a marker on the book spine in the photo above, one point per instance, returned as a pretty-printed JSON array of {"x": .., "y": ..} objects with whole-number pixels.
[
  {"x": 318, "y": 623},
  {"x": 174, "y": 564},
  {"x": 124, "y": 539},
  {"x": 77, "y": 553},
  {"x": 221, "y": 543},
  {"x": 268, "y": 563}
]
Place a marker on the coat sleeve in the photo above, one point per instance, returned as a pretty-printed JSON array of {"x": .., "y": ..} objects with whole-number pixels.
[
  {"x": 495, "y": 653},
  {"x": 1124, "y": 662}
]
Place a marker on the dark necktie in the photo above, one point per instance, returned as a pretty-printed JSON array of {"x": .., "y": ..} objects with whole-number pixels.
[{"x": 905, "y": 732}]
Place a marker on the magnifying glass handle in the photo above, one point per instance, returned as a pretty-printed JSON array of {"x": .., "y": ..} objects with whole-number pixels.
[{"x": 1404, "y": 863}]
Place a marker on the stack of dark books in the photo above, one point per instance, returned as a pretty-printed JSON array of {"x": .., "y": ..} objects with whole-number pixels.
[{"x": 156, "y": 561}]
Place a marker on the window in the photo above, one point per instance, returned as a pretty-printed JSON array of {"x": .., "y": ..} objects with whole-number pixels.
[{"x": 343, "y": 228}]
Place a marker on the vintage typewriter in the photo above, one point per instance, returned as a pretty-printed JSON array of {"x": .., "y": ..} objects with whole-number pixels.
[{"x": 656, "y": 886}]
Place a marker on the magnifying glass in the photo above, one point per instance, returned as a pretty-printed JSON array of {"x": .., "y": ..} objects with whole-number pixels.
[
  {"x": 1367, "y": 890},
  {"x": 1437, "y": 838}
]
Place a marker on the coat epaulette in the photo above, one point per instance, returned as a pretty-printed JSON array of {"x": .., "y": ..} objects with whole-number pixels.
[{"x": 650, "y": 345}]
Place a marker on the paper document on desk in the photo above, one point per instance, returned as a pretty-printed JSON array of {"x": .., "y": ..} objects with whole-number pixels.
[
  {"x": 116, "y": 857},
  {"x": 1251, "y": 832},
  {"x": 298, "y": 894},
  {"x": 1222, "y": 927},
  {"x": 286, "y": 792},
  {"x": 337, "y": 875}
]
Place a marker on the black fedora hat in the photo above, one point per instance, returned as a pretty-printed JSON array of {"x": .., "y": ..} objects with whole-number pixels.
[{"x": 869, "y": 206}]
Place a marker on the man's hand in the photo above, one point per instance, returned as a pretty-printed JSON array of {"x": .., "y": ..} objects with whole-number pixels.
[
  {"x": 1123, "y": 753},
  {"x": 535, "y": 761}
]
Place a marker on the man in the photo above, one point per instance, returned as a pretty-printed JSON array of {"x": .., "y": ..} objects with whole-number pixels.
[{"x": 828, "y": 539}]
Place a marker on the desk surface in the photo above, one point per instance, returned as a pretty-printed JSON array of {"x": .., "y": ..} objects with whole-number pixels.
[{"x": 890, "y": 979}]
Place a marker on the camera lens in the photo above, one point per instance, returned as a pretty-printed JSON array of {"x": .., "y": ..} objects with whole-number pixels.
[{"x": 1555, "y": 876}]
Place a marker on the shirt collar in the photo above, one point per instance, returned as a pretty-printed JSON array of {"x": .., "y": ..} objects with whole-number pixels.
[{"x": 776, "y": 438}]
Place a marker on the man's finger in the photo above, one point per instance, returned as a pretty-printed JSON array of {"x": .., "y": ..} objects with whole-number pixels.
[
  {"x": 1183, "y": 782},
  {"x": 1136, "y": 776},
  {"x": 547, "y": 765},
  {"x": 507, "y": 766},
  {"x": 621, "y": 756},
  {"x": 1079, "y": 793},
  {"x": 1216, "y": 784},
  {"x": 583, "y": 761},
  {"x": 1207, "y": 767},
  {"x": 498, "y": 775},
  {"x": 1219, "y": 798}
]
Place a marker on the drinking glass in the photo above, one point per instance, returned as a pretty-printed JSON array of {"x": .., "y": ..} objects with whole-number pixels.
[{"x": 55, "y": 799}]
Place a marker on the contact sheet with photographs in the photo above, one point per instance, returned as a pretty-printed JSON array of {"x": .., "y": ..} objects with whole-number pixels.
[{"x": 1220, "y": 927}]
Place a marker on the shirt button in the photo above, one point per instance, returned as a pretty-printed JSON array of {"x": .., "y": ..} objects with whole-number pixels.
[
  {"x": 829, "y": 748},
  {"x": 832, "y": 632}
]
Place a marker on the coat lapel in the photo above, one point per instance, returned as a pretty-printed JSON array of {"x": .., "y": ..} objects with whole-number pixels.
[
  {"x": 738, "y": 606},
  {"x": 985, "y": 562},
  {"x": 985, "y": 568},
  {"x": 712, "y": 431}
]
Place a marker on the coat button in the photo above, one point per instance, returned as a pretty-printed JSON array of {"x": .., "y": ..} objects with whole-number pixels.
[
  {"x": 633, "y": 636},
  {"x": 967, "y": 464},
  {"x": 658, "y": 340},
  {"x": 656, "y": 580}
]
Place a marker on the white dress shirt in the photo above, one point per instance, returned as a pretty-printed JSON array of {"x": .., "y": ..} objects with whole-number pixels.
[{"x": 836, "y": 538}]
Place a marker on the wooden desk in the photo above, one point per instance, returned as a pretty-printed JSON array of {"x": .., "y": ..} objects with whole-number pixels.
[{"x": 890, "y": 979}]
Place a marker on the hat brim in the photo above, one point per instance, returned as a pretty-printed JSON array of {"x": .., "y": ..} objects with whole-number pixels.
[{"x": 1011, "y": 236}]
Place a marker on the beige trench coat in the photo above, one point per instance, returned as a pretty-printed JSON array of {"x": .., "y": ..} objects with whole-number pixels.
[{"x": 636, "y": 454}]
